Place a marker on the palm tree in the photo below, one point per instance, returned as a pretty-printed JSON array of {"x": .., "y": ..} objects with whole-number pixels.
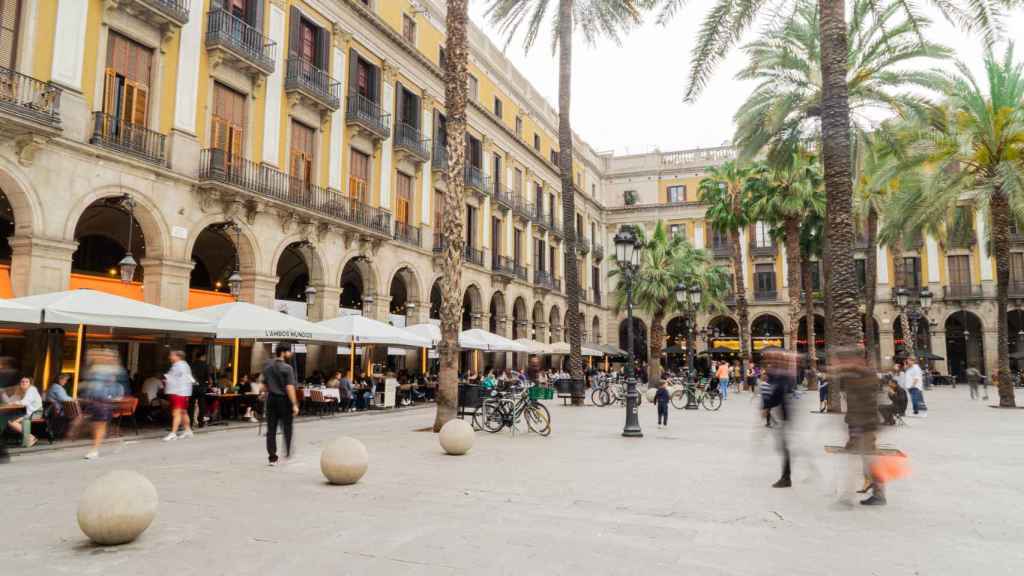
[
  {"x": 722, "y": 29},
  {"x": 726, "y": 193},
  {"x": 973, "y": 144},
  {"x": 453, "y": 239},
  {"x": 784, "y": 196},
  {"x": 783, "y": 112},
  {"x": 665, "y": 261},
  {"x": 593, "y": 18}
]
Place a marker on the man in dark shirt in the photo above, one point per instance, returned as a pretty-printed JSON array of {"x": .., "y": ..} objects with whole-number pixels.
[
  {"x": 201, "y": 373},
  {"x": 282, "y": 405}
]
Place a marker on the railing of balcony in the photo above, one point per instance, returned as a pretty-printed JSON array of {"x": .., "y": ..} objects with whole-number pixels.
[
  {"x": 226, "y": 29},
  {"x": 218, "y": 166},
  {"x": 116, "y": 134},
  {"x": 721, "y": 249},
  {"x": 598, "y": 251},
  {"x": 961, "y": 241},
  {"x": 502, "y": 265},
  {"x": 176, "y": 10},
  {"x": 303, "y": 75},
  {"x": 762, "y": 250},
  {"x": 766, "y": 295},
  {"x": 539, "y": 216},
  {"x": 583, "y": 245},
  {"x": 521, "y": 272},
  {"x": 543, "y": 279},
  {"x": 962, "y": 292},
  {"x": 25, "y": 96},
  {"x": 521, "y": 207},
  {"x": 555, "y": 226},
  {"x": 473, "y": 256},
  {"x": 368, "y": 113},
  {"x": 475, "y": 179},
  {"x": 502, "y": 195},
  {"x": 408, "y": 234},
  {"x": 439, "y": 160},
  {"x": 411, "y": 139},
  {"x": 1016, "y": 289}
]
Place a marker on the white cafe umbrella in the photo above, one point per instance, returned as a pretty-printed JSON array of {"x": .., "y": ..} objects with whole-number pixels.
[
  {"x": 562, "y": 349},
  {"x": 493, "y": 342},
  {"x": 356, "y": 329},
  {"x": 533, "y": 346},
  {"x": 12, "y": 312},
  {"x": 432, "y": 332},
  {"x": 248, "y": 321}
]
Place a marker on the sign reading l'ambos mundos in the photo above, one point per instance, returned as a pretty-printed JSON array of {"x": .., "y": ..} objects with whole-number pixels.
[{"x": 287, "y": 334}]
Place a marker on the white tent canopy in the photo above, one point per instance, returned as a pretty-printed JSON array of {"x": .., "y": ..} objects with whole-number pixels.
[
  {"x": 93, "y": 308},
  {"x": 363, "y": 330},
  {"x": 533, "y": 346},
  {"x": 12, "y": 312},
  {"x": 493, "y": 342},
  {"x": 245, "y": 321},
  {"x": 562, "y": 349}
]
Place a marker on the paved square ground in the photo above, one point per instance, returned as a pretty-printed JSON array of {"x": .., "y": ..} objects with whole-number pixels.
[{"x": 691, "y": 499}]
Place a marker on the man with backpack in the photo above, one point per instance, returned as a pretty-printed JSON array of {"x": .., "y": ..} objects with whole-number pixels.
[{"x": 282, "y": 404}]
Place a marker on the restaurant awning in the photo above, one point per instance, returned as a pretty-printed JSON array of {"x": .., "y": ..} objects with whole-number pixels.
[
  {"x": 363, "y": 330},
  {"x": 432, "y": 332},
  {"x": 12, "y": 312},
  {"x": 611, "y": 349},
  {"x": 562, "y": 349},
  {"x": 533, "y": 346},
  {"x": 93, "y": 308},
  {"x": 492, "y": 341},
  {"x": 249, "y": 321}
]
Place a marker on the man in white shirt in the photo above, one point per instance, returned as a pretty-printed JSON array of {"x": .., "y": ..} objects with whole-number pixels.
[
  {"x": 28, "y": 397},
  {"x": 178, "y": 388},
  {"x": 915, "y": 386}
]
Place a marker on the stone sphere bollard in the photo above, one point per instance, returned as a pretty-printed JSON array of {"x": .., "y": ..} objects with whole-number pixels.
[
  {"x": 344, "y": 461},
  {"x": 117, "y": 507},
  {"x": 457, "y": 437}
]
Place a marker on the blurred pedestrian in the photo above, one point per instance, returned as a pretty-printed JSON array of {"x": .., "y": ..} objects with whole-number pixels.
[
  {"x": 722, "y": 374},
  {"x": 973, "y": 379},
  {"x": 282, "y": 404},
  {"x": 201, "y": 380},
  {"x": 661, "y": 398},
  {"x": 851, "y": 372},
  {"x": 780, "y": 367},
  {"x": 179, "y": 385},
  {"x": 8, "y": 376},
  {"x": 103, "y": 383}
]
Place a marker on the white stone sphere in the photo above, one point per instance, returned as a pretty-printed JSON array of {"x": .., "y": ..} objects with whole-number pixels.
[
  {"x": 117, "y": 507},
  {"x": 457, "y": 437},
  {"x": 650, "y": 394},
  {"x": 344, "y": 461}
]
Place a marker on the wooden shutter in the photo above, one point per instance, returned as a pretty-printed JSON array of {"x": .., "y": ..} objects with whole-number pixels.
[
  {"x": 254, "y": 14},
  {"x": 412, "y": 117},
  {"x": 353, "y": 69},
  {"x": 9, "y": 14},
  {"x": 294, "y": 32},
  {"x": 959, "y": 270},
  {"x": 111, "y": 93},
  {"x": 139, "y": 102},
  {"x": 323, "y": 46},
  {"x": 399, "y": 101}
]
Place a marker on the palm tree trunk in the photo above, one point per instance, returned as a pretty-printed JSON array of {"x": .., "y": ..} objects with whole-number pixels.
[
  {"x": 1000, "y": 216},
  {"x": 812, "y": 338},
  {"x": 740, "y": 285},
  {"x": 835, "y": 145},
  {"x": 793, "y": 279},
  {"x": 908, "y": 340},
  {"x": 572, "y": 277},
  {"x": 455, "y": 79},
  {"x": 870, "y": 278},
  {"x": 656, "y": 345}
]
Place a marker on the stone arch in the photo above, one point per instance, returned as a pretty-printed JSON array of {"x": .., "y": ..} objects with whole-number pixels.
[
  {"x": 767, "y": 329},
  {"x": 472, "y": 307},
  {"x": 358, "y": 283},
  {"x": 497, "y": 320},
  {"x": 640, "y": 350},
  {"x": 412, "y": 280},
  {"x": 314, "y": 260},
  {"x": 146, "y": 214},
  {"x": 434, "y": 311},
  {"x": 297, "y": 266},
  {"x": 538, "y": 320},
  {"x": 25, "y": 205},
  {"x": 520, "y": 322},
  {"x": 555, "y": 324},
  {"x": 249, "y": 249},
  {"x": 595, "y": 330},
  {"x": 965, "y": 342}
]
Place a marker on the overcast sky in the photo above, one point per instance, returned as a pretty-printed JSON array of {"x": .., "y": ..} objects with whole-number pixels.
[{"x": 628, "y": 98}]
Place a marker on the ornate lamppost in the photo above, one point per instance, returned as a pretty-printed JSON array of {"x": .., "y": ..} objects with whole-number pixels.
[
  {"x": 688, "y": 299},
  {"x": 127, "y": 265},
  {"x": 627, "y": 254},
  {"x": 235, "y": 280}
]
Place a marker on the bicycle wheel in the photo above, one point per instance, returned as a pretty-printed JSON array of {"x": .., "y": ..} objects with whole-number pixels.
[
  {"x": 600, "y": 397},
  {"x": 712, "y": 402},
  {"x": 493, "y": 419},
  {"x": 678, "y": 399},
  {"x": 538, "y": 419}
]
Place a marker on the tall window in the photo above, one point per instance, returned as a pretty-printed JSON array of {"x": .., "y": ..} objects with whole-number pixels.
[
  {"x": 517, "y": 246},
  {"x": 518, "y": 184},
  {"x": 359, "y": 176},
  {"x": 1017, "y": 269},
  {"x": 677, "y": 193},
  {"x": 228, "y": 121},
  {"x": 959, "y": 270},
  {"x": 676, "y": 230},
  {"x": 554, "y": 157},
  {"x": 497, "y": 107},
  {"x": 470, "y": 226},
  {"x": 553, "y": 261},
  {"x": 762, "y": 235},
  {"x": 473, "y": 88},
  {"x": 538, "y": 199},
  {"x": 519, "y": 126},
  {"x": 409, "y": 28},
  {"x": 438, "y": 211},
  {"x": 403, "y": 198},
  {"x": 538, "y": 254},
  {"x": 908, "y": 272},
  {"x": 536, "y": 142},
  {"x": 719, "y": 238},
  {"x": 764, "y": 279},
  {"x": 366, "y": 79},
  {"x": 496, "y": 171},
  {"x": 302, "y": 152},
  {"x": 9, "y": 13},
  {"x": 127, "y": 80},
  {"x": 496, "y": 231},
  {"x": 307, "y": 46},
  {"x": 551, "y": 211},
  {"x": 474, "y": 152}
]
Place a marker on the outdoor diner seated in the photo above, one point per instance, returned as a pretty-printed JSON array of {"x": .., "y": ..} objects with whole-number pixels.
[{"x": 28, "y": 397}]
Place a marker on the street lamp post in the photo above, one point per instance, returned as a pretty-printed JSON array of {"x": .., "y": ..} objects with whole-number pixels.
[
  {"x": 627, "y": 254},
  {"x": 689, "y": 299},
  {"x": 915, "y": 310},
  {"x": 127, "y": 265}
]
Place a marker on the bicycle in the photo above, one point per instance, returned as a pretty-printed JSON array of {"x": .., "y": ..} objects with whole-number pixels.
[
  {"x": 703, "y": 394},
  {"x": 503, "y": 410}
]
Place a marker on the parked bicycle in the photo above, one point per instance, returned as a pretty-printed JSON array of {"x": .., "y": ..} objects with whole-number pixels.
[
  {"x": 506, "y": 409},
  {"x": 702, "y": 394}
]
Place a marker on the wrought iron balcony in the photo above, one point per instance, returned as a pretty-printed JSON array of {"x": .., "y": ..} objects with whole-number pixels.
[
  {"x": 756, "y": 250},
  {"x": 503, "y": 266},
  {"x": 218, "y": 167},
  {"x": 962, "y": 241},
  {"x": 115, "y": 134},
  {"x": 473, "y": 256},
  {"x": 521, "y": 207},
  {"x": 1016, "y": 290},
  {"x": 304, "y": 78},
  {"x": 555, "y": 226},
  {"x": 158, "y": 12},
  {"x": 539, "y": 217},
  {"x": 543, "y": 279},
  {"x": 410, "y": 142},
  {"x": 475, "y": 180},
  {"x": 582, "y": 245},
  {"x": 439, "y": 161},
  {"x": 521, "y": 272},
  {"x": 721, "y": 249},
  {"x": 408, "y": 234},
  {"x": 502, "y": 196},
  {"x": 235, "y": 39},
  {"x": 962, "y": 292},
  {"x": 24, "y": 97},
  {"x": 912, "y": 292},
  {"x": 366, "y": 114},
  {"x": 766, "y": 295},
  {"x": 598, "y": 251}
]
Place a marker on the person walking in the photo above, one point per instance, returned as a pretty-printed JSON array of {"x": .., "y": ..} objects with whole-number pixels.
[
  {"x": 103, "y": 383},
  {"x": 661, "y": 398},
  {"x": 178, "y": 386},
  {"x": 850, "y": 371},
  {"x": 722, "y": 374},
  {"x": 282, "y": 405},
  {"x": 915, "y": 385},
  {"x": 973, "y": 379},
  {"x": 780, "y": 367}
]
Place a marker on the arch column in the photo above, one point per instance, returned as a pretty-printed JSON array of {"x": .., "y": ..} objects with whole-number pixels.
[
  {"x": 166, "y": 282},
  {"x": 501, "y": 324},
  {"x": 258, "y": 289},
  {"x": 938, "y": 338},
  {"x": 377, "y": 307},
  {"x": 40, "y": 265},
  {"x": 476, "y": 319},
  {"x": 323, "y": 357},
  {"x": 887, "y": 342},
  {"x": 417, "y": 313},
  {"x": 541, "y": 332},
  {"x": 991, "y": 352}
]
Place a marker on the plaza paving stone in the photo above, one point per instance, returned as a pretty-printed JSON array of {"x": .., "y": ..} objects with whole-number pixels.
[{"x": 694, "y": 498}]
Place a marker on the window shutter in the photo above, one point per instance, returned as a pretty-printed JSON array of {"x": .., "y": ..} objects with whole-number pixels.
[
  {"x": 236, "y": 141},
  {"x": 294, "y": 32},
  {"x": 353, "y": 70},
  {"x": 399, "y": 109},
  {"x": 139, "y": 105},
  {"x": 254, "y": 12},
  {"x": 438, "y": 140},
  {"x": 110, "y": 93},
  {"x": 417, "y": 111},
  {"x": 374, "y": 78},
  {"x": 323, "y": 49}
]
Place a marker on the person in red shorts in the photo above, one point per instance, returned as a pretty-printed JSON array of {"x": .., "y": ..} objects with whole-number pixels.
[{"x": 178, "y": 386}]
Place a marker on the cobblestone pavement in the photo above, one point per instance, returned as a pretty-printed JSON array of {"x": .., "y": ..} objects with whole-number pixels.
[{"x": 694, "y": 498}]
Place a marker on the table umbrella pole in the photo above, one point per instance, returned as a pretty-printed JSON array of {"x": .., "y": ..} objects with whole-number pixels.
[
  {"x": 78, "y": 359},
  {"x": 352, "y": 360},
  {"x": 234, "y": 367},
  {"x": 367, "y": 355},
  {"x": 46, "y": 364},
  {"x": 423, "y": 361}
]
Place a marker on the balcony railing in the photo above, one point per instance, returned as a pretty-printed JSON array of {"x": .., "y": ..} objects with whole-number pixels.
[
  {"x": 239, "y": 38},
  {"x": 555, "y": 226},
  {"x": 218, "y": 166},
  {"x": 962, "y": 241},
  {"x": 475, "y": 180},
  {"x": 521, "y": 207},
  {"x": 503, "y": 265},
  {"x": 29, "y": 98},
  {"x": 521, "y": 272},
  {"x": 539, "y": 217},
  {"x": 116, "y": 134},
  {"x": 473, "y": 256},
  {"x": 582, "y": 245},
  {"x": 756, "y": 250},
  {"x": 408, "y": 234},
  {"x": 160, "y": 11},
  {"x": 766, "y": 295},
  {"x": 502, "y": 195},
  {"x": 598, "y": 251},
  {"x": 439, "y": 161},
  {"x": 304, "y": 77},
  {"x": 912, "y": 292},
  {"x": 1016, "y": 289},
  {"x": 721, "y": 249},
  {"x": 367, "y": 114},
  {"x": 962, "y": 292},
  {"x": 543, "y": 279},
  {"x": 410, "y": 140}
]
